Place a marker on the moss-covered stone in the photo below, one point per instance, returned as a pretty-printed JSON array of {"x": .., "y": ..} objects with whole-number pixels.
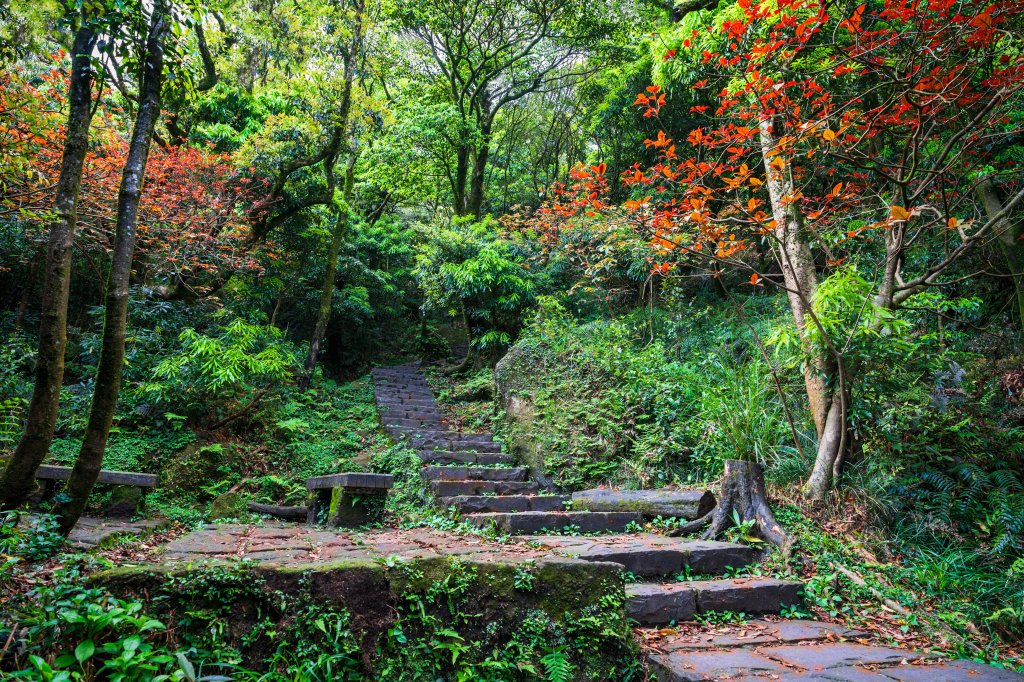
[
  {"x": 396, "y": 611},
  {"x": 188, "y": 470},
  {"x": 125, "y": 501},
  {"x": 353, "y": 507},
  {"x": 512, "y": 378},
  {"x": 228, "y": 506}
]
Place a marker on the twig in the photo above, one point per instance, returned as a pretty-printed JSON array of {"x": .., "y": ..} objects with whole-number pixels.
[{"x": 860, "y": 582}]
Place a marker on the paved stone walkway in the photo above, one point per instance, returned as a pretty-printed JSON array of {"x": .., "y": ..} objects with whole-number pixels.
[
  {"x": 287, "y": 543},
  {"x": 92, "y": 532},
  {"x": 801, "y": 650}
]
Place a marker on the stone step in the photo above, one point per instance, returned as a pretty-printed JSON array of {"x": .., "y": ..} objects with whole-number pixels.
[
  {"x": 464, "y": 457},
  {"x": 477, "y": 504},
  {"x": 423, "y": 393},
  {"x": 407, "y": 432},
  {"x": 666, "y": 502},
  {"x": 521, "y": 523},
  {"x": 447, "y": 440},
  {"x": 461, "y": 473},
  {"x": 659, "y": 603},
  {"x": 426, "y": 422},
  {"x": 453, "y": 488},
  {"x": 410, "y": 414},
  {"x": 395, "y": 403},
  {"x": 823, "y": 660},
  {"x": 462, "y": 435},
  {"x": 648, "y": 555}
]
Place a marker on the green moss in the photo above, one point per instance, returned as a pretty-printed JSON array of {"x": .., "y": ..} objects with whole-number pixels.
[{"x": 228, "y": 506}]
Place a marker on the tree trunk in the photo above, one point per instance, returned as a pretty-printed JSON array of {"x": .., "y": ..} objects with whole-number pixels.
[
  {"x": 341, "y": 225},
  {"x": 479, "y": 177},
  {"x": 800, "y": 277},
  {"x": 461, "y": 175},
  {"x": 742, "y": 495},
  {"x": 18, "y": 479},
  {"x": 327, "y": 291},
  {"x": 111, "y": 364},
  {"x": 1007, "y": 236}
]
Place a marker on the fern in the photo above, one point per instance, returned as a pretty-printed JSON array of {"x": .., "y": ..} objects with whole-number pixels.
[
  {"x": 990, "y": 502},
  {"x": 557, "y": 667}
]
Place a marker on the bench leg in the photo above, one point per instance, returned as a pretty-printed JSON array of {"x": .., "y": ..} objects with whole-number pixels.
[
  {"x": 49, "y": 490},
  {"x": 319, "y": 507}
]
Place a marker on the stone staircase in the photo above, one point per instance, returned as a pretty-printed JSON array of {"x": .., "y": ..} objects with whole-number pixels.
[{"x": 469, "y": 473}]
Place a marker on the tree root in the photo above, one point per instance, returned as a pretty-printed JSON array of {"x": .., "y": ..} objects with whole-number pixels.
[{"x": 742, "y": 492}]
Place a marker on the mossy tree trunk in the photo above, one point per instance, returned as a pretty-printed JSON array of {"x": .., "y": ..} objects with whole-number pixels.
[
  {"x": 822, "y": 370},
  {"x": 111, "y": 364},
  {"x": 18, "y": 480},
  {"x": 344, "y": 213},
  {"x": 1008, "y": 237}
]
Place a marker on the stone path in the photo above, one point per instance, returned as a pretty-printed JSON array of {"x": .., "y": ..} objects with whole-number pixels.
[
  {"x": 470, "y": 473},
  {"x": 801, "y": 650},
  {"x": 289, "y": 543},
  {"x": 494, "y": 492},
  {"x": 91, "y": 532}
]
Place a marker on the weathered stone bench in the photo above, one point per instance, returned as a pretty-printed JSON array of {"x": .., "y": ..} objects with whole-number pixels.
[
  {"x": 125, "y": 498},
  {"x": 348, "y": 499}
]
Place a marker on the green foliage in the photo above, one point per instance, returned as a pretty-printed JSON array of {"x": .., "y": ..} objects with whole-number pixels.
[
  {"x": 88, "y": 634},
  {"x": 208, "y": 372},
  {"x": 557, "y": 666},
  {"x": 466, "y": 270},
  {"x": 612, "y": 406},
  {"x": 27, "y": 538}
]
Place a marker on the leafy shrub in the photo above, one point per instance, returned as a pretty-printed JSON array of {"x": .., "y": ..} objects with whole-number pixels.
[
  {"x": 213, "y": 373},
  {"x": 25, "y": 538},
  {"x": 466, "y": 270},
  {"x": 75, "y": 633},
  {"x": 614, "y": 406}
]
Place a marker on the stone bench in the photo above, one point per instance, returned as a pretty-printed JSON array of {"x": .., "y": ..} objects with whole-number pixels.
[
  {"x": 348, "y": 499},
  {"x": 126, "y": 497}
]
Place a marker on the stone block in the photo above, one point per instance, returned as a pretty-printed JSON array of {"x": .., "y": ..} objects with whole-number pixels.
[{"x": 688, "y": 504}]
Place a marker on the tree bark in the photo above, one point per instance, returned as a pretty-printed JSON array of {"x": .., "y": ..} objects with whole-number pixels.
[
  {"x": 341, "y": 225},
  {"x": 742, "y": 495},
  {"x": 111, "y": 364},
  {"x": 801, "y": 281},
  {"x": 323, "y": 315},
  {"x": 1007, "y": 237},
  {"x": 475, "y": 203},
  {"x": 461, "y": 175},
  {"x": 18, "y": 479}
]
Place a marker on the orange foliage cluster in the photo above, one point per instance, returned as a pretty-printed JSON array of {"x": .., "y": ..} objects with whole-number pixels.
[
  {"x": 192, "y": 213},
  {"x": 930, "y": 62}
]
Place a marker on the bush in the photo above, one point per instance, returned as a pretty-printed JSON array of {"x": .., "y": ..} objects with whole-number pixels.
[{"x": 212, "y": 374}]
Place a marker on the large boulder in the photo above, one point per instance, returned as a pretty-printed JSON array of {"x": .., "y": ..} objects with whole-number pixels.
[
  {"x": 513, "y": 386},
  {"x": 228, "y": 506}
]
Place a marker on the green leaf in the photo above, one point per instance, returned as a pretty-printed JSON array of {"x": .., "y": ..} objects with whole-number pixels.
[{"x": 84, "y": 651}]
